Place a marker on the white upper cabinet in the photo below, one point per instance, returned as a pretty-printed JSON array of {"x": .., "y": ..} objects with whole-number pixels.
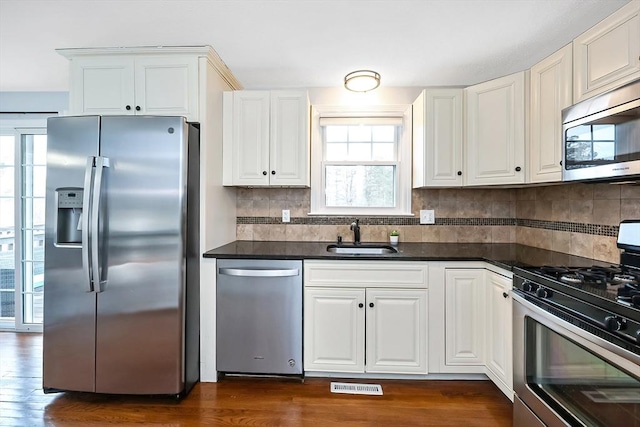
[
  {"x": 495, "y": 133},
  {"x": 266, "y": 138},
  {"x": 551, "y": 91},
  {"x": 135, "y": 83},
  {"x": 608, "y": 54},
  {"x": 437, "y": 138}
]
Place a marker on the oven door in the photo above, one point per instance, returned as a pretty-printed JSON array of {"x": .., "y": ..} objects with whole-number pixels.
[{"x": 569, "y": 377}]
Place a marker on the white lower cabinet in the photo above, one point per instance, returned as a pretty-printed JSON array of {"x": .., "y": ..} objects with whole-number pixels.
[
  {"x": 334, "y": 329},
  {"x": 360, "y": 325},
  {"x": 499, "y": 355},
  {"x": 464, "y": 317}
]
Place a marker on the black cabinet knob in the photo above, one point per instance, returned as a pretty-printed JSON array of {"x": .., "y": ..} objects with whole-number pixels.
[
  {"x": 560, "y": 162},
  {"x": 264, "y": 173},
  {"x": 137, "y": 108},
  {"x": 506, "y": 295},
  {"x": 371, "y": 304},
  {"x": 273, "y": 172},
  {"x": 518, "y": 168},
  {"x": 361, "y": 305},
  {"x": 128, "y": 107},
  {"x": 459, "y": 173}
]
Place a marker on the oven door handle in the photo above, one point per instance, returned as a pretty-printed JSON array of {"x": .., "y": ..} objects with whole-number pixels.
[{"x": 590, "y": 341}]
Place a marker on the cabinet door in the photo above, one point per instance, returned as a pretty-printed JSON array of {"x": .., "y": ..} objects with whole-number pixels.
[
  {"x": 289, "y": 139},
  {"x": 551, "y": 91},
  {"x": 334, "y": 329},
  {"x": 498, "y": 329},
  {"x": 464, "y": 321},
  {"x": 396, "y": 331},
  {"x": 167, "y": 86},
  {"x": 437, "y": 138},
  {"x": 101, "y": 85},
  {"x": 495, "y": 131},
  {"x": 250, "y": 138},
  {"x": 608, "y": 54}
]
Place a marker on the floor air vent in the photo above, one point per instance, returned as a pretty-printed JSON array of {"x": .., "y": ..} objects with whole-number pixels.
[{"x": 348, "y": 388}]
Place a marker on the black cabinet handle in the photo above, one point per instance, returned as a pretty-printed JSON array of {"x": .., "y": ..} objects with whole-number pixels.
[
  {"x": 518, "y": 168},
  {"x": 264, "y": 173},
  {"x": 506, "y": 295},
  {"x": 128, "y": 107},
  {"x": 371, "y": 304},
  {"x": 560, "y": 162},
  {"x": 273, "y": 172},
  {"x": 459, "y": 173},
  {"x": 137, "y": 108},
  {"x": 361, "y": 305}
]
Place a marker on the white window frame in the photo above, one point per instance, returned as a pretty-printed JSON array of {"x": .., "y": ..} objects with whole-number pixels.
[{"x": 403, "y": 190}]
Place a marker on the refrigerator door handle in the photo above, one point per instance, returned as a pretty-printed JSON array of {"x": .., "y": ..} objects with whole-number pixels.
[
  {"x": 86, "y": 205},
  {"x": 101, "y": 163}
]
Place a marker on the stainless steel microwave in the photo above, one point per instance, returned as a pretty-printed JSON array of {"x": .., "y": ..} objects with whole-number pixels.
[{"x": 601, "y": 136}]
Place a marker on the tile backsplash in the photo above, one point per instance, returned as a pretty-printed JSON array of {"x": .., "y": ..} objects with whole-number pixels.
[{"x": 579, "y": 219}]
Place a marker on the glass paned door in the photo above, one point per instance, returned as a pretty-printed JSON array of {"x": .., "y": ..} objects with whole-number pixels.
[
  {"x": 34, "y": 154},
  {"x": 7, "y": 230},
  {"x": 23, "y": 153}
]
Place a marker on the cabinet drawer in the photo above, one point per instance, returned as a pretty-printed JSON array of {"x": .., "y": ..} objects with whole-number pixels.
[{"x": 370, "y": 274}]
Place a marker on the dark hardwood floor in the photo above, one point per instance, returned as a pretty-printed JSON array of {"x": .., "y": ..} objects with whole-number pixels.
[{"x": 242, "y": 401}]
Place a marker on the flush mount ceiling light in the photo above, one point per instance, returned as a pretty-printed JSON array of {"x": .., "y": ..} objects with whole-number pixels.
[{"x": 362, "y": 80}]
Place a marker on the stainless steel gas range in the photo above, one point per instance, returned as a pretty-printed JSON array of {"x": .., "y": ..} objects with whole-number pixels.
[{"x": 577, "y": 341}]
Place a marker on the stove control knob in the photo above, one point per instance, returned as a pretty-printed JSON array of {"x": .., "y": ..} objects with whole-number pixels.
[
  {"x": 638, "y": 336},
  {"x": 615, "y": 323},
  {"x": 544, "y": 293},
  {"x": 529, "y": 287}
]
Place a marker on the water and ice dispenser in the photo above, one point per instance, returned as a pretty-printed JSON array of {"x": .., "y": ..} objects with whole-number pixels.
[{"x": 69, "y": 217}]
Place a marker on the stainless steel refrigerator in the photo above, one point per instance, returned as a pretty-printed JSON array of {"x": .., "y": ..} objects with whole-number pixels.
[{"x": 121, "y": 293}]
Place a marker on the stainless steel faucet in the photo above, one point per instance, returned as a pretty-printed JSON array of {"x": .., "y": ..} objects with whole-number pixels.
[{"x": 355, "y": 226}]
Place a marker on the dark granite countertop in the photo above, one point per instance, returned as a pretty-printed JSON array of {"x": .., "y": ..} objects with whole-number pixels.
[{"x": 503, "y": 255}]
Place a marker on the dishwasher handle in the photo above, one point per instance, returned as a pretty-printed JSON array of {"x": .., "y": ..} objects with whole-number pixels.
[{"x": 259, "y": 272}]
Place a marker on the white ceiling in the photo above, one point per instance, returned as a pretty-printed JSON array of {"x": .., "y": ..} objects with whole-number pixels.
[{"x": 300, "y": 43}]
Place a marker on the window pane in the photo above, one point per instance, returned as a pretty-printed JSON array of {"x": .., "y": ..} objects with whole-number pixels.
[
  {"x": 359, "y": 133},
  {"x": 384, "y": 133},
  {"x": 40, "y": 149},
  {"x": 384, "y": 151},
  {"x": 336, "y": 133},
  {"x": 359, "y": 151},
  {"x": 360, "y": 186},
  {"x": 6, "y": 214},
  {"x": 336, "y": 151},
  {"x": 7, "y": 154},
  {"x": 7, "y": 181},
  {"x": 39, "y": 180}
]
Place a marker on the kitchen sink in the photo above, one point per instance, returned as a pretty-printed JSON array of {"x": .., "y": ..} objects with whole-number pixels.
[{"x": 365, "y": 249}]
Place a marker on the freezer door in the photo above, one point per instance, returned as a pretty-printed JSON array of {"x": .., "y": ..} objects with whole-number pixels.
[
  {"x": 69, "y": 306},
  {"x": 140, "y": 307}
]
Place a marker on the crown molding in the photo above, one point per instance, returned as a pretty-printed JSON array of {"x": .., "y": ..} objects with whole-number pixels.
[{"x": 201, "y": 51}]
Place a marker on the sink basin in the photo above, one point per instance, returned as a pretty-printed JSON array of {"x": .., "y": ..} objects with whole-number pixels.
[{"x": 362, "y": 249}]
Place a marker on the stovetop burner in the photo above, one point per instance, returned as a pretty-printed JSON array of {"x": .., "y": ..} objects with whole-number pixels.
[{"x": 616, "y": 283}]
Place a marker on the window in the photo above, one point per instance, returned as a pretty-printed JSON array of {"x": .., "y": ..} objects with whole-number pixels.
[
  {"x": 361, "y": 163},
  {"x": 22, "y": 194}
]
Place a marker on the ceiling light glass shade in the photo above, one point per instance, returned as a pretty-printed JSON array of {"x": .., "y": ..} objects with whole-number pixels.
[{"x": 362, "y": 80}]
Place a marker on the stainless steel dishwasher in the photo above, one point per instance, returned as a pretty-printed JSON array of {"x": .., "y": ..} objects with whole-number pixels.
[{"x": 259, "y": 317}]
